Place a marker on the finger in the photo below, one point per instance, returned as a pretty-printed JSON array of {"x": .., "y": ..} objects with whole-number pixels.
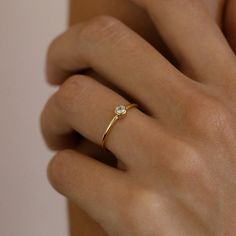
[
  {"x": 230, "y": 23},
  {"x": 88, "y": 182},
  {"x": 193, "y": 37},
  {"x": 122, "y": 57},
  {"x": 89, "y": 148},
  {"x": 86, "y": 106}
]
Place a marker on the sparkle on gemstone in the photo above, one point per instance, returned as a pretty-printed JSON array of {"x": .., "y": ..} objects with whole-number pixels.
[{"x": 120, "y": 110}]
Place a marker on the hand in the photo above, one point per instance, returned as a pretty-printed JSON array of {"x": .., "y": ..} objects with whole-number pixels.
[{"x": 179, "y": 154}]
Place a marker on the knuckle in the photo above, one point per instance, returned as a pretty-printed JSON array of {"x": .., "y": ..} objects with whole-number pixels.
[
  {"x": 205, "y": 113},
  {"x": 101, "y": 28},
  {"x": 52, "y": 49},
  {"x": 44, "y": 130},
  {"x": 56, "y": 169},
  {"x": 189, "y": 169},
  {"x": 152, "y": 203},
  {"x": 187, "y": 163},
  {"x": 72, "y": 93}
]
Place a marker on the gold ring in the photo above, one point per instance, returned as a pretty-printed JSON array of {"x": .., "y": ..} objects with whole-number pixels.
[{"x": 120, "y": 112}]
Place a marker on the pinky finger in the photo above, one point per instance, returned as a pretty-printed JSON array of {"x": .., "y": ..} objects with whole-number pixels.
[{"x": 94, "y": 186}]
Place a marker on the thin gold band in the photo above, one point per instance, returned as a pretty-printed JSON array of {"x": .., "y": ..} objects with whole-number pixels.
[{"x": 120, "y": 112}]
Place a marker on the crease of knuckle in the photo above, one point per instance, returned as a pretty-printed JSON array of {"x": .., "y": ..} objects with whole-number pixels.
[
  {"x": 207, "y": 115},
  {"x": 102, "y": 29},
  {"x": 73, "y": 93}
]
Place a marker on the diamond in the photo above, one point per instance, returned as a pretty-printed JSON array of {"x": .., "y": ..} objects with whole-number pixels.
[{"x": 120, "y": 110}]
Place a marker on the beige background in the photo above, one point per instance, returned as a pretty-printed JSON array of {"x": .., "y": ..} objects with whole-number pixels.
[{"x": 28, "y": 205}]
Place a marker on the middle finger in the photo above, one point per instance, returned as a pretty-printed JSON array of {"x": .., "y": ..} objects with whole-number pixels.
[{"x": 121, "y": 56}]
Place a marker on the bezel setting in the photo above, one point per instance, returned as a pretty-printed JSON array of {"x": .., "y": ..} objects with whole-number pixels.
[{"x": 120, "y": 110}]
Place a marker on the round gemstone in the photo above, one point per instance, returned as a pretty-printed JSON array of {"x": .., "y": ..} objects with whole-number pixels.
[{"x": 120, "y": 110}]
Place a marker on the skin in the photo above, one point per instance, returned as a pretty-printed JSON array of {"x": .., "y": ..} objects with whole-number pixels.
[
  {"x": 190, "y": 122},
  {"x": 137, "y": 18}
]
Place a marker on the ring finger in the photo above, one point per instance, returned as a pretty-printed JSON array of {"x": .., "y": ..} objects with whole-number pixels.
[{"x": 86, "y": 106}]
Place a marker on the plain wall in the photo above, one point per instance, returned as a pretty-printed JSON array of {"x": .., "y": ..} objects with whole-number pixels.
[{"x": 28, "y": 204}]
